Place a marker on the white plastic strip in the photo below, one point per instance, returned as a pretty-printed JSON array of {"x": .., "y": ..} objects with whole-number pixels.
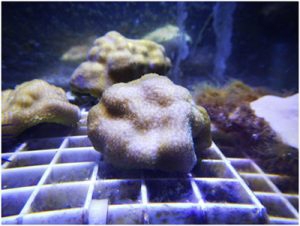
[
  {"x": 276, "y": 190},
  {"x": 253, "y": 197},
  {"x": 14, "y": 154}
]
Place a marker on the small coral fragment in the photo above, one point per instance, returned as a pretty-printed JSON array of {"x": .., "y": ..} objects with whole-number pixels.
[
  {"x": 166, "y": 34},
  {"x": 114, "y": 58},
  {"x": 35, "y": 102},
  {"x": 75, "y": 54},
  {"x": 149, "y": 123}
]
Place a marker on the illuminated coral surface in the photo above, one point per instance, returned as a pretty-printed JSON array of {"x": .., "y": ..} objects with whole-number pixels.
[
  {"x": 35, "y": 102},
  {"x": 114, "y": 58},
  {"x": 149, "y": 123}
]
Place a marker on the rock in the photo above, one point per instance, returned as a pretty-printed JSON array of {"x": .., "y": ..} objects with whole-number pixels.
[
  {"x": 281, "y": 114},
  {"x": 35, "y": 102},
  {"x": 149, "y": 123},
  {"x": 114, "y": 58}
]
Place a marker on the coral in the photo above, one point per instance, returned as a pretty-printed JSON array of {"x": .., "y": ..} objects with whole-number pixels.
[
  {"x": 228, "y": 107},
  {"x": 114, "y": 58},
  {"x": 175, "y": 40},
  {"x": 239, "y": 129},
  {"x": 149, "y": 123},
  {"x": 35, "y": 102},
  {"x": 90, "y": 77},
  {"x": 78, "y": 53},
  {"x": 221, "y": 102},
  {"x": 75, "y": 54},
  {"x": 166, "y": 34}
]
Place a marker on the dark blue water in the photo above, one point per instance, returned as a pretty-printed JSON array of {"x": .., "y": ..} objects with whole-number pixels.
[{"x": 263, "y": 40}]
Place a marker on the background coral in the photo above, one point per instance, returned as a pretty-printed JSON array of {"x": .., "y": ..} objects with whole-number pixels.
[
  {"x": 114, "y": 58},
  {"x": 35, "y": 102},
  {"x": 149, "y": 123},
  {"x": 75, "y": 54}
]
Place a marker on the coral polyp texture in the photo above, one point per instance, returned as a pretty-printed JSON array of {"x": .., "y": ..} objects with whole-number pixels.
[
  {"x": 114, "y": 58},
  {"x": 149, "y": 123},
  {"x": 35, "y": 102}
]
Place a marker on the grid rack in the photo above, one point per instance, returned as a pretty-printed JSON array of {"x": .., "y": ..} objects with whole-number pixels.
[
  {"x": 63, "y": 180},
  {"x": 282, "y": 205}
]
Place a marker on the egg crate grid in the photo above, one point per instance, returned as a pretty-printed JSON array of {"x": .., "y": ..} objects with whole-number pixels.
[
  {"x": 282, "y": 205},
  {"x": 63, "y": 180}
]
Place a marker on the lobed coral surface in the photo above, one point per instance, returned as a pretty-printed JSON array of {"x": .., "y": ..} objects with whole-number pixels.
[
  {"x": 149, "y": 123},
  {"x": 114, "y": 58},
  {"x": 35, "y": 102}
]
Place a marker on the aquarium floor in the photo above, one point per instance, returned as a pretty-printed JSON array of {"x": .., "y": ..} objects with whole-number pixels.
[{"x": 63, "y": 180}]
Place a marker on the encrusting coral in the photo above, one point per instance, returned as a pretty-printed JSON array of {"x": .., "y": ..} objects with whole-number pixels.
[
  {"x": 114, "y": 58},
  {"x": 35, "y": 102},
  {"x": 149, "y": 123}
]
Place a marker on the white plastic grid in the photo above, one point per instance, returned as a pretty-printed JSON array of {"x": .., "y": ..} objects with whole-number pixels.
[
  {"x": 64, "y": 180},
  {"x": 282, "y": 206}
]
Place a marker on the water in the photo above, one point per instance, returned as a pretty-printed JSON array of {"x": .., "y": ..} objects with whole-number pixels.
[
  {"x": 259, "y": 43},
  {"x": 211, "y": 43},
  {"x": 223, "y": 25},
  {"x": 183, "y": 49}
]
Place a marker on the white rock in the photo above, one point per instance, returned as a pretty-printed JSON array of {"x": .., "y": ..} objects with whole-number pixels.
[{"x": 281, "y": 114}]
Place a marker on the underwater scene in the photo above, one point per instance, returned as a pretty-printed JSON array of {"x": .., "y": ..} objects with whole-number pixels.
[{"x": 150, "y": 113}]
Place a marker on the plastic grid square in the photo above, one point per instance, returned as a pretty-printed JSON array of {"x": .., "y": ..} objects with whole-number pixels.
[
  {"x": 68, "y": 182},
  {"x": 281, "y": 206}
]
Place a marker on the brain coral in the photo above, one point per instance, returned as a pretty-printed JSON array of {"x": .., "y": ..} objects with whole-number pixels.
[
  {"x": 114, "y": 58},
  {"x": 149, "y": 123},
  {"x": 35, "y": 102}
]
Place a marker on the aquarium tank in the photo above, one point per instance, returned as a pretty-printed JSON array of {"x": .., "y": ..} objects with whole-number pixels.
[{"x": 150, "y": 112}]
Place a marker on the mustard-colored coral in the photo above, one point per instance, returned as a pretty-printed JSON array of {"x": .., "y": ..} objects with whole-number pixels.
[
  {"x": 149, "y": 123},
  {"x": 35, "y": 102},
  {"x": 114, "y": 58}
]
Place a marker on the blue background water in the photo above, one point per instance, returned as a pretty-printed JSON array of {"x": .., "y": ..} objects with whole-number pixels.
[{"x": 264, "y": 39}]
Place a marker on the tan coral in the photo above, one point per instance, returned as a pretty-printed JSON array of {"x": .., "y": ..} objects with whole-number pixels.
[
  {"x": 149, "y": 123},
  {"x": 75, "y": 54},
  {"x": 35, "y": 102},
  {"x": 90, "y": 78},
  {"x": 120, "y": 60}
]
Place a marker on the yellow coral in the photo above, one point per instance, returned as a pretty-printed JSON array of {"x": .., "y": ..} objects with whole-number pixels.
[
  {"x": 120, "y": 60},
  {"x": 35, "y": 102},
  {"x": 149, "y": 123}
]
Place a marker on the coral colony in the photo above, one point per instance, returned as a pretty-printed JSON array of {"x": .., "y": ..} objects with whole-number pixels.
[
  {"x": 149, "y": 123},
  {"x": 113, "y": 59},
  {"x": 36, "y": 102}
]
